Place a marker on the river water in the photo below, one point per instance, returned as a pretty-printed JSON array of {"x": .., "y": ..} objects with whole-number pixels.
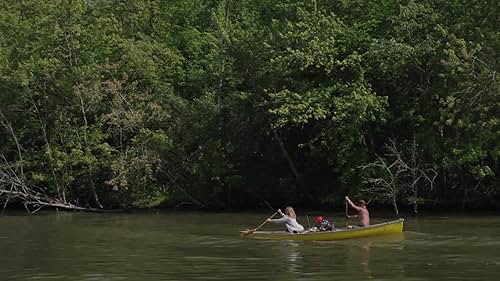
[{"x": 201, "y": 246}]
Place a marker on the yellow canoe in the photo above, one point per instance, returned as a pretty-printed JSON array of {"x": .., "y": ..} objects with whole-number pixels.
[{"x": 337, "y": 234}]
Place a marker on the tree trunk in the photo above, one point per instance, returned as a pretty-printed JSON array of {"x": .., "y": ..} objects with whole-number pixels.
[
  {"x": 394, "y": 200},
  {"x": 47, "y": 143},
  {"x": 287, "y": 156},
  {"x": 85, "y": 139},
  {"x": 94, "y": 193},
  {"x": 395, "y": 206}
]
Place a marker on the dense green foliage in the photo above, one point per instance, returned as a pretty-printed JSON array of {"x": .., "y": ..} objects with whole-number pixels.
[{"x": 240, "y": 102}]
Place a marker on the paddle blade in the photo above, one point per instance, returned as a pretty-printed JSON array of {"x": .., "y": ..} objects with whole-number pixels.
[{"x": 247, "y": 232}]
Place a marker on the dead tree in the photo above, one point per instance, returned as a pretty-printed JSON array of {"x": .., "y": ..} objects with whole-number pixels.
[
  {"x": 397, "y": 177},
  {"x": 13, "y": 187},
  {"x": 13, "y": 183}
]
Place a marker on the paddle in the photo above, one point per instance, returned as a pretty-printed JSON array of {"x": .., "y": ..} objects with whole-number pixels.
[
  {"x": 250, "y": 231},
  {"x": 346, "y": 214}
]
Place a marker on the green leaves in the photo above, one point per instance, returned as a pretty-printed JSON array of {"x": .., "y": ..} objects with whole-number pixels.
[{"x": 212, "y": 101}]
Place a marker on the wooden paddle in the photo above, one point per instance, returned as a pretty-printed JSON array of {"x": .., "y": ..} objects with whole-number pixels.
[
  {"x": 250, "y": 231},
  {"x": 346, "y": 214}
]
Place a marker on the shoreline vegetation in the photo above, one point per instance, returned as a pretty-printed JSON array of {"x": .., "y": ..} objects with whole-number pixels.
[
  {"x": 242, "y": 105},
  {"x": 378, "y": 212}
]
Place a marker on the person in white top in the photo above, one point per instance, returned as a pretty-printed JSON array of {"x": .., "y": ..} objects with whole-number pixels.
[{"x": 289, "y": 218}]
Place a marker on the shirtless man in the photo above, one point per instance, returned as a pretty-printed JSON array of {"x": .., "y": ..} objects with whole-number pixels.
[{"x": 363, "y": 214}]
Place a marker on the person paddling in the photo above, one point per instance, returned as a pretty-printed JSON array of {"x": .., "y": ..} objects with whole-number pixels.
[
  {"x": 289, "y": 218},
  {"x": 363, "y": 214}
]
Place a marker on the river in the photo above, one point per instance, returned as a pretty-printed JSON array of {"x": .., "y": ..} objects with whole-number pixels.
[{"x": 206, "y": 246}]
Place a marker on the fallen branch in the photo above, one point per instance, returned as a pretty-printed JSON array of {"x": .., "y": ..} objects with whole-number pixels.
[{"x": 14, "y": 188}]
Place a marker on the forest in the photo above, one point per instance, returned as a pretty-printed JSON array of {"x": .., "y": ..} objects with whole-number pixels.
[{"x": 248, "y": 104}]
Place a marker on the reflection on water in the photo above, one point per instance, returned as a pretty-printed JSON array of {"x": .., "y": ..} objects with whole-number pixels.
[
  {"x": 360, "y": 252},
  {"x": 192, "y": 246},
  {"x": 293, "y": 257},
  {"x": 365, "y": 258}
]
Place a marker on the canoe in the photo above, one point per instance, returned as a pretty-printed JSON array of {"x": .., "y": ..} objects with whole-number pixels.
[{"x": 337, "y": 234}]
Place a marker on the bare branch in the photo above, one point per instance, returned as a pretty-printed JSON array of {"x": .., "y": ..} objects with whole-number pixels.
[{"x": 399, "y": 177}]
